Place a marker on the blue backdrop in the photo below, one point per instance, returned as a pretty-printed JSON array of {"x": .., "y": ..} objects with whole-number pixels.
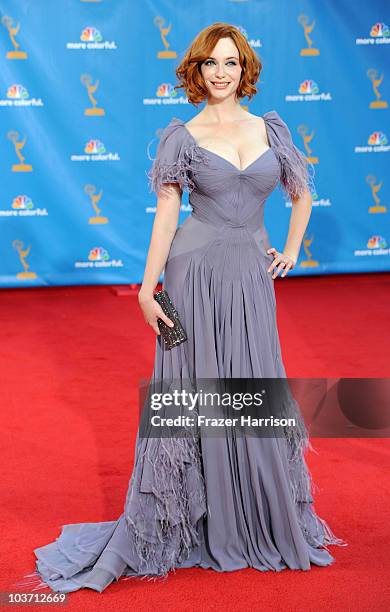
[{"x": 86, "y": 86}]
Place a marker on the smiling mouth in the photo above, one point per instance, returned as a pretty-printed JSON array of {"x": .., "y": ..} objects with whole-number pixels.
[{"x": 220, "y": 85}]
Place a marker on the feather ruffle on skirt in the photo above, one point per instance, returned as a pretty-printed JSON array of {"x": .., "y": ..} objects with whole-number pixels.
[
  {"x": 165, "y": 500},
  {"x": 315, "y": 530}
]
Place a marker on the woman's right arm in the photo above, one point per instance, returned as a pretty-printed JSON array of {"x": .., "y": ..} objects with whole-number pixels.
[{"x": 164, "y": 228}]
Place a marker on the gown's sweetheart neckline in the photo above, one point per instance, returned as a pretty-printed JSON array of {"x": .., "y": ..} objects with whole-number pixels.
[{"x": 240, "y": 170}]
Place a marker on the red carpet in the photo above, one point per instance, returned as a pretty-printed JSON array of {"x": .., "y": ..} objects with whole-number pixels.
[{"x": 71, "y": 361}]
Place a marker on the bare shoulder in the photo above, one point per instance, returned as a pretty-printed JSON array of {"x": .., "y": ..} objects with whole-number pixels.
[
  {"x": 257, "y": 120},
  {"x": 194, "y": 121},
  {"x": 258, "y": 124}
]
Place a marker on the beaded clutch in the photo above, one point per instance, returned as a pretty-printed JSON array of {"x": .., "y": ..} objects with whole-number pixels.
[{"x": 175, "y": 335}]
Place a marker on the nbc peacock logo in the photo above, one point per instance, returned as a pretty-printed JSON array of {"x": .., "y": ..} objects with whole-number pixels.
[
  {"x": 98, "y": 254},
  {"x": 377, "y": 138},
  {"x": 98, "y": 257},
  {"x": 95, "y": 150},
  {"x": 17, "y": 92},
  {"x": 380, "y": 30},
  {"x": 91, "y": 38},
  {"x": 22, "y": 202},
  {"x": 376, "y": 245},
  {"x": 18, "y": 95},
  {"x": 23, "y": 206},
  {"x": 376, "y": 242},
  {"x": 377, "y": 142},
  {"x": 163, "y": 94},
  {"x": 379, "y": 35},
  {"x": 166, "y": 90},
  {"x": 308, "y": 87},
  {"x": 309, "y": 91},
  {"x": 91, "y": 34},
  {"x": 94, "y": 146},
  {"x": 252, "y": 42}
]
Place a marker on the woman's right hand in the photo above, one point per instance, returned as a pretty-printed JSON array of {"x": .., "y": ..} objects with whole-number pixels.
[{"x": 152, "y": 311}]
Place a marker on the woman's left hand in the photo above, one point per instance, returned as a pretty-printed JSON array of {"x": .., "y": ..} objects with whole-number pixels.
[{"x": 282, "y": 260}]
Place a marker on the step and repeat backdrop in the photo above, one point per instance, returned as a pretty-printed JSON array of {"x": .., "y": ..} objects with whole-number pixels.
[{"x": 86, "y": 86}]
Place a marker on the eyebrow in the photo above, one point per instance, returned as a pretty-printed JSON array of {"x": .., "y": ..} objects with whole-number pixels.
[{"x": 231, "y": 57}]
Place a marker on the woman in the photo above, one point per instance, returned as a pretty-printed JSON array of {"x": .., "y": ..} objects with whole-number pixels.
[{"x": 222, "y": 502}]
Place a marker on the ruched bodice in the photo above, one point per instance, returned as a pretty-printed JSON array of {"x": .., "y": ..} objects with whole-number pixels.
[
  {"x": 198, "y": 170},
  {"x": 223, "y": 197}
]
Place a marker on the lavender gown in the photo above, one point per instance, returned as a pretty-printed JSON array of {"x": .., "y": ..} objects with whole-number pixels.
[{"x": 220, "y": 503}]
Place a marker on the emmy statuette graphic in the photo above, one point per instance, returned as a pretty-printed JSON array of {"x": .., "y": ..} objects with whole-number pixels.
[
  {"x": 13, "y": 30},
  {"x": 307, "y": 138},
  {"x": 373, "y": 76},
  {"x": 309, "y": 262},
  {"x": 307, "y": 29},
  {"x": 23, "y": 253},
  {"x": 375, "y": 187},
  {"x": 95, "y": 111},
  {"x": 95, "y": 198},
  {"x": 164, "y": 31},
  {"x": 13, "y": 136}
]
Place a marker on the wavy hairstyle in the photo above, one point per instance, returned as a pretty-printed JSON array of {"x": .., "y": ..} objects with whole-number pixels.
[{"x": 188, "y": 72}]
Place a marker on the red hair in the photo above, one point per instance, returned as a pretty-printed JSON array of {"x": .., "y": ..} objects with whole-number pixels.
[{"x": 189, "y": 74}]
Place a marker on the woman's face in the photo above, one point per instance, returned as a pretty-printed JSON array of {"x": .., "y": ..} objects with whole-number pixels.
[{"x": 222, "y": 71}]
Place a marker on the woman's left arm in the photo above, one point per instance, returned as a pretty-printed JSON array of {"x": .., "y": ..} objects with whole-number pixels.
[{"x": 299, "y": 219}]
